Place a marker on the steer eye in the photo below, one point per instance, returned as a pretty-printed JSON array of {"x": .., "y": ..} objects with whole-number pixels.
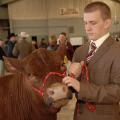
[{"x": 50, "y": 92}]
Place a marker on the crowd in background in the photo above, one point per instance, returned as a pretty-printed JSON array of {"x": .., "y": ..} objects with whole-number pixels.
[{"x": 19, "y": 46}]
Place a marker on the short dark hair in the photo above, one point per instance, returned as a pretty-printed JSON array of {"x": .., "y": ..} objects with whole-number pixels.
[
  {"x": 12, "y": 35},
  {"x": 63, "y": 33},
  {"x": 104, "y": 9}
]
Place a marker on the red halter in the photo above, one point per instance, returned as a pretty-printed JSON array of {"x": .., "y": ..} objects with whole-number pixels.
[{"x": 41, "y": 90}]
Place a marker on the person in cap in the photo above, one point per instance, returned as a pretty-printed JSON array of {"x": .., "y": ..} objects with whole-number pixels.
[{"x": 23, "y": 47}]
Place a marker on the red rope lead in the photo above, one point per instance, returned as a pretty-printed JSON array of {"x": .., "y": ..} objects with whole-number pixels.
[
  {"x": 85, "y": 71},
  {"x": 41, "y": 90},
  {"x": 52, "y": 74},
  {"x": 89, "y": 105}
]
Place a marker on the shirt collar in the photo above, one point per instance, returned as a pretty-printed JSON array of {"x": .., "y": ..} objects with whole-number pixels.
[{"x": 100, "y": 41}]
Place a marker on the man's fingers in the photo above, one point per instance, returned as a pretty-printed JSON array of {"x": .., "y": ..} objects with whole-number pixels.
[
  {"x": 82, "y": 63},
  {"x": 67, "y": 80}
]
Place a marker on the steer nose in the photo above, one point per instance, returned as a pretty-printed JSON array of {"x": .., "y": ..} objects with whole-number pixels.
[
  {"x": 57, "y": 92},
  {"x": 49, "y": 101}
]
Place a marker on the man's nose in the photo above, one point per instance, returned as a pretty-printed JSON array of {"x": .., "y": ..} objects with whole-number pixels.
[{"x": 87, "y": 27}]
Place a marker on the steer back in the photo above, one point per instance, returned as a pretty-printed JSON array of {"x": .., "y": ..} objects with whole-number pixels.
[{"x": 41, "y": 88}]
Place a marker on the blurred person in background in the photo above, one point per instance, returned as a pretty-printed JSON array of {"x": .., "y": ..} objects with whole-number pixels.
[
  {"x": 34, "y": 43},
  {"x": 43, "y": 43},
  {"x": 23, "y": 47},
  {"x": 2, "y": 53},
  {"x": 63, "y": 39},
  {"x": 52, "y": 43},
  {"x": 12, "y": 38}
]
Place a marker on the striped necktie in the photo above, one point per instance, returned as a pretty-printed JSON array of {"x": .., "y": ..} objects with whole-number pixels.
[
  {"x": 91, "y": 52},
  {"x": 91, "y": 107}
]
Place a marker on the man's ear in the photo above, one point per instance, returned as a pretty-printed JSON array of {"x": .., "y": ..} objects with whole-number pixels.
[
  {"x": 108, "y": 23},
  {"x": 12, "y": 65}
]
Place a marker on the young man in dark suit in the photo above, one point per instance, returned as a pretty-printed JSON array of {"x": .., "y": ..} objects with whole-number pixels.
[{"x": 98, "y": 98}]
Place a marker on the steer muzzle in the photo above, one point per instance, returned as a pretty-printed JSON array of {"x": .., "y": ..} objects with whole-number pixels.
[{"x": 57, "y": 95}]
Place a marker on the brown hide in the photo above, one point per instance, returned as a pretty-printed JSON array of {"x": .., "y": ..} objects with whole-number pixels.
[
  {"x": 42, "y": 61},
  {"x": 19, "y": 100},
  {"x": 39, "y": 62}
]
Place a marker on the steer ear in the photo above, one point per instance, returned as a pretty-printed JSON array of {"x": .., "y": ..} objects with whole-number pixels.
[{"x": 12, "y": 65}]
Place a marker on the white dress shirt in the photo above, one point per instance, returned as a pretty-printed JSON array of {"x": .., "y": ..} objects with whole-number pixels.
[{"x": 100, "y": 41}]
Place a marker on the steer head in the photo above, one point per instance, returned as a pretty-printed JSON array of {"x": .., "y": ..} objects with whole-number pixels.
[{"x": 44, "y": 73}]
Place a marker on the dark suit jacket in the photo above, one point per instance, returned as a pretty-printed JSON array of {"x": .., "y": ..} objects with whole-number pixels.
[
  {"x": 104, "y": 87},
  {"x": 2, "y": 53}
]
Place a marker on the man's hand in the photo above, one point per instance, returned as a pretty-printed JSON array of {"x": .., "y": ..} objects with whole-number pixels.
[
  {"x": 75, "y": 69},
  {"x": 72, "y": 82}
]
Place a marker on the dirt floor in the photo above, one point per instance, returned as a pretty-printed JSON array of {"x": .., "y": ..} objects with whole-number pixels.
[{"x": 67, "y": 112}]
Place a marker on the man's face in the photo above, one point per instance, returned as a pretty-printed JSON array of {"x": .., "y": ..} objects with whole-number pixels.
[
  {"x": 95, "y": 26},
  {"x": 1, "y": 43},
  {"x": 13, "y": 38},
  {"x": 62, "y": 38}
]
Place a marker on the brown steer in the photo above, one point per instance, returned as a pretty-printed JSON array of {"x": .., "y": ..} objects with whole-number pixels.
[{"x": 33, "y": 89}]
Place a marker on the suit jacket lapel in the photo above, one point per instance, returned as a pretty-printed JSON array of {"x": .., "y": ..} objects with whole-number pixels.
[
  {"x": 85, "y": 52},
  {"x": 101, "y": 51}
]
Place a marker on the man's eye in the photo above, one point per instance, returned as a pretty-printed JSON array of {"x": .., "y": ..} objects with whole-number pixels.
[{"x": 93, "y": 23}]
